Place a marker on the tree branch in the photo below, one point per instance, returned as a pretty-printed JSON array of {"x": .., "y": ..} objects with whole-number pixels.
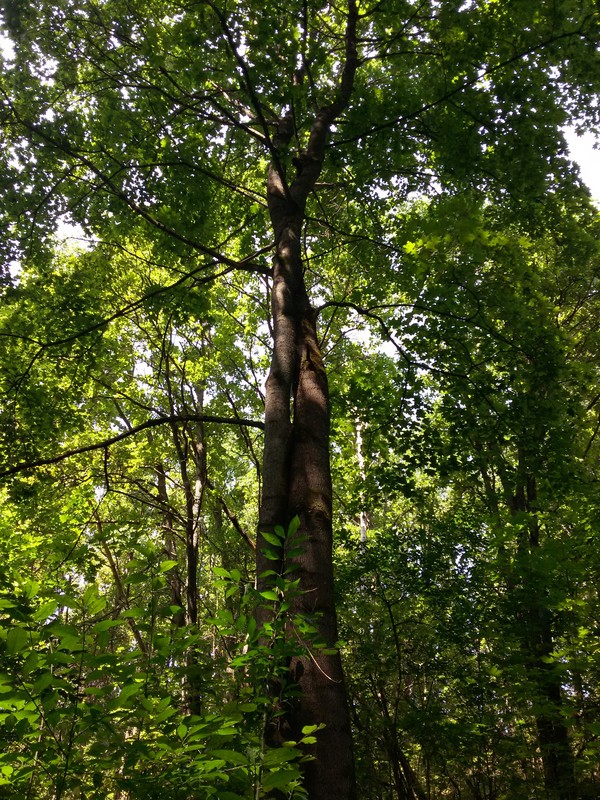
[
  {"x": 106, "y": 443},
  {"x": 311, "y": 162},
  {"x": 466, "y": 85},
  {"x": 107, "y": 182},
  {"x": 135, "y": 304}
]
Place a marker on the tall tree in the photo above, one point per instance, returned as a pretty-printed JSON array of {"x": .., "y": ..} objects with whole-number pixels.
[{"x": 155, "y": 126}]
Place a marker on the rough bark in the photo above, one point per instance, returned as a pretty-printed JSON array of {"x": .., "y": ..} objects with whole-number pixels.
[
  {"x": 296, "y": 472},
  {"x": 297, "y": 481}
]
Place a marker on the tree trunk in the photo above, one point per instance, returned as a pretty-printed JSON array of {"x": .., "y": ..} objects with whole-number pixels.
[
  {"x": 296, "y": 472},
  {"x": 538, "y": 644},
  {"x": 297, "y": 481}
]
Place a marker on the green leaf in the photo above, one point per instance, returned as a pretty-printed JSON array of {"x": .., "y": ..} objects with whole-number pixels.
[
  {"x": 231, "y": 756},
  {"x": 294, "y": 525},
  {"x": 280, "y": 779},
  {"x": 45, "y": 611},
  {"x": 269, "y": 594},
  {"x": 17, "y": 640},
  {"x": 312, "y": 728},
  {"x": 221, "y": 572},
  {"x": 271, "y": 538},
  {"x": 281, "y": 755},
  {"x": 106, "y": 624},
  {"x": 135, "y": 578},
  {"x": 129, "y": 691},
  {"x": 43, "y": 682},
  {"x": 31, "y": 588},
  {"x": 133, "y": 613},
  {"x": 272, "y": 555},
  {"x": 92, "y": 601}
]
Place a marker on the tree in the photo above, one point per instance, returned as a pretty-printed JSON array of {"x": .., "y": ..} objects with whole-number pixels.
[
  {"x": 487, "y": 545},
  {"x": 155, "y": 127}
]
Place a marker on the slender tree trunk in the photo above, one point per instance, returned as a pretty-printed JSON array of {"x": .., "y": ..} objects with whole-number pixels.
[
  {"x": 364, "y": 516},
  {"x": 538, "y": 644},
  {"x": 406, "y": 782},
  {"x": 176, "y": 584},
  {"x": 296, "y": 472},
  {"x": 190, "y": 447},
  {"x": 121, "y": 592}
]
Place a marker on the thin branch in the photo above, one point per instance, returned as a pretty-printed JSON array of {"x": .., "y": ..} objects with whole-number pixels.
[
  {"x": 245, "y": 71},
  {"x": 135, "y": 304},
  {"x": 107, "y": 182},
  {"x": 106, "y": 443},
  {"x": 466, "y": 85},
  {"x": 236, "y": 523},
  {"x": 310, "y": 162}
]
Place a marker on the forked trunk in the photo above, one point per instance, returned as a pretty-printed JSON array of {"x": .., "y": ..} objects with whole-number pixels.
[
  {"x": 297, "y": 481},
  {"x": 296, "y": 471}
]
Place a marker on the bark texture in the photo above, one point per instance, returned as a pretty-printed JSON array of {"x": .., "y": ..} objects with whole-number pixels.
[{"x": 296, "y": 472}]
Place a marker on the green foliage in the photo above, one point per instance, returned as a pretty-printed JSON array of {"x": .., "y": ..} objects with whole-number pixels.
[
  {"x": 451, "y": 254},
  {"x": 84, "y": 712}
]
